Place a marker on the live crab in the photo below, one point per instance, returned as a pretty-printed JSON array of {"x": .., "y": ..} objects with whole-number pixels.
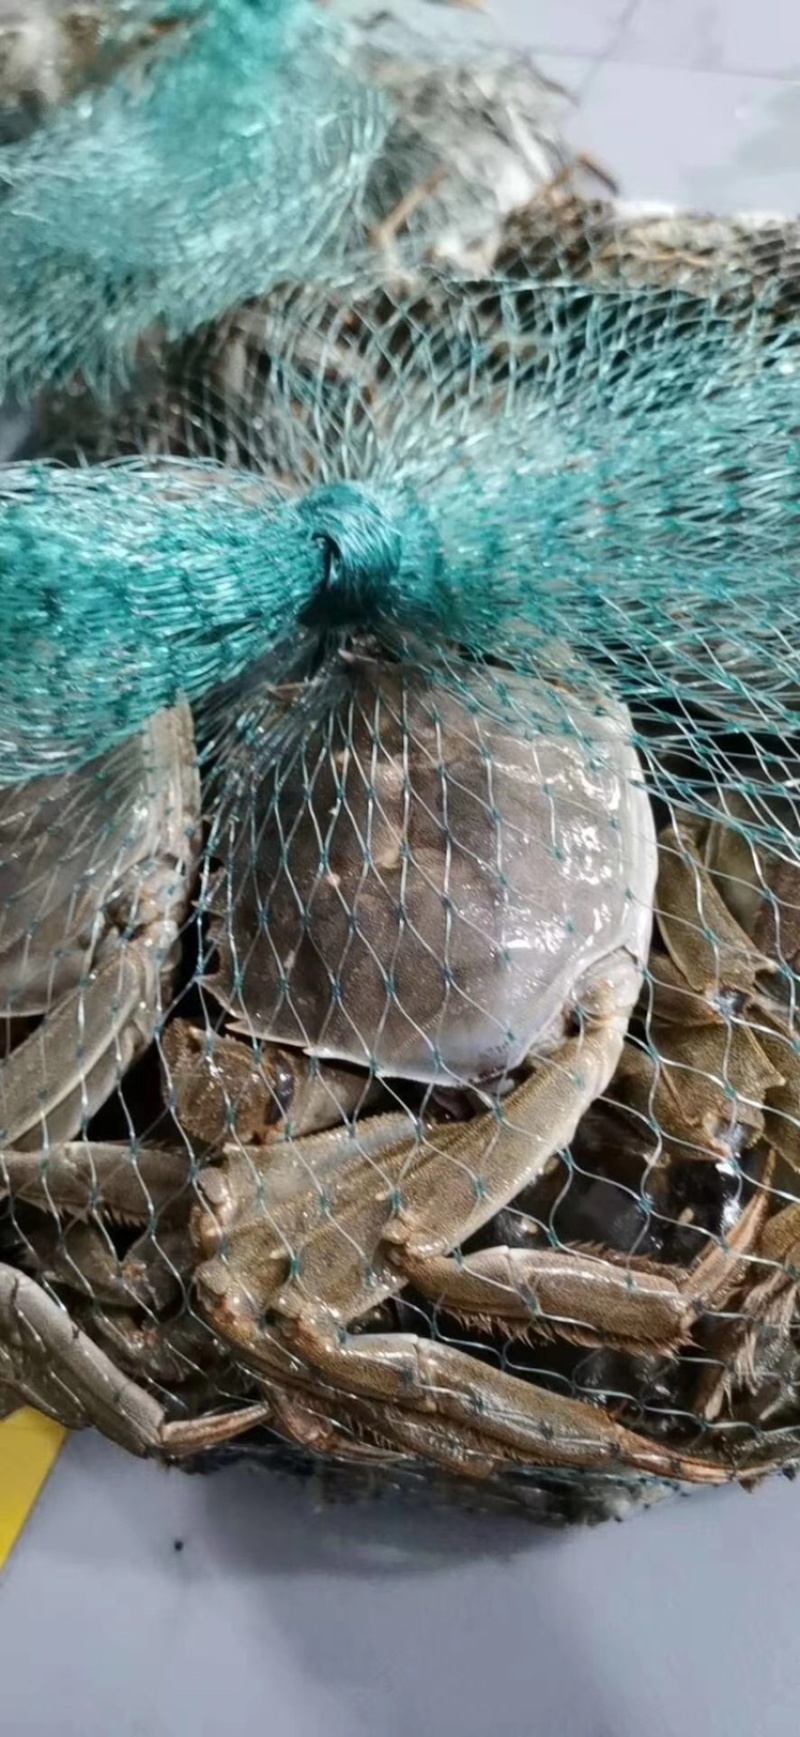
[{"x": 495, "y": 810}]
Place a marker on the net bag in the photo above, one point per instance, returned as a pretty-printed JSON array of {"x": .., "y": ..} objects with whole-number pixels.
[
  {"x": 335, "y": 133},
  {"x": 120, "y": 212},
  {"x": 398, "y": 876}
]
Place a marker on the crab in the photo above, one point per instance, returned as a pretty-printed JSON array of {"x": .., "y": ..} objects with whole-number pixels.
[
  {"x": 709, "y": 1077},
  {"x": 474, "y": 135},
  {"x": 476, "y": 904},
  {"x": 278, "y": 1241},
  {"x": 743, "y": 865},
  {"x": 470, "y": 864},
  {"x": 96, "y": 877}
]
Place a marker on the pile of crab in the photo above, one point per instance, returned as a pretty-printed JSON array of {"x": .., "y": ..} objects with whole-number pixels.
[
  {"x": 427, "y": 1094},
  {"x": 417, "y": 1086}
]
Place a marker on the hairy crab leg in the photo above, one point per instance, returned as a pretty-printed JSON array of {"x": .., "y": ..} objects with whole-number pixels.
[
  {"x": 633, "y": 1305},
  {"x": 382, "y": 1434},
  {"x": 329, "y": 1196},
  {"x": 704, "y": 1086},
  {"x": 327, "y": 1428},
  {"x": 546, "y": 1428},
  {"x": 719, "y": 1070},
  {"x": 686, "y": 891},
  {"x": 82, "y": 1257},
  {"x": 479, "y": 1166},
  {"x": 219, "y": 1086},
  {"x": 710, "y": 948},
  {"x": 169, "y": 1352},
  {"x": 572, "y": 1292},
  {"x": 765, "y": 1312},
  {"x": 421, "y": 1194}
]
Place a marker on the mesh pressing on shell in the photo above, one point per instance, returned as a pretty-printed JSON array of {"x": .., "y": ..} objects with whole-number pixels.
[{"x": 398, "y": 889}]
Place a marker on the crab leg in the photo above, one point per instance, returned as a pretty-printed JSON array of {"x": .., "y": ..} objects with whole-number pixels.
[
  {"x": 306, "y": 1420},
  {"x": 704, "y": 939},
  {"x": 576, "y": 1294},
  {"x": 51, "y": 1364},
  {"x": 221, "y": 1087},
  {"x": 479, "y": 1166},
  {"x": 372, "y": 1433},
  {"x": 634, "y": 1306},
  {"x": 702, "y": 1085},
  {"x": 546, "y": 1428},
  {"x": 440, "y": 1203},
  {"x": 418, "y": 1193},
  {"x": 764, "y": 1318},
  {"x": 82, "y": 1256},
  {"x": 72, "y": 1061},
  {"x": 170, "y": 1353},
  {"x": 717, "y": 1073},
  {"x": 135, "y": 1185}
]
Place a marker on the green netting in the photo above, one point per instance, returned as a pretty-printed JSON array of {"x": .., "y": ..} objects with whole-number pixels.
[
  {"x": 124, "y": 211},
  {"x": 399, "y": 867},
  {"x": 528, "y": 502},
  {"x": 165, "y": 192},
  {"x": 53, "y": 51}
]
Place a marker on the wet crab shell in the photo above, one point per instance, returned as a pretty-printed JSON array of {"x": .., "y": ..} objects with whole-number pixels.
[{"x": 426, "y": 883}]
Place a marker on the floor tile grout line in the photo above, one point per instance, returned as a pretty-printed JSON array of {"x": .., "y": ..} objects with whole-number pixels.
[
  {"x": 680, "y": 69},
  {"x": 625, "y": 19},
  {"x": 641, "y": 59},
  {"x": 599, "y": 60}
]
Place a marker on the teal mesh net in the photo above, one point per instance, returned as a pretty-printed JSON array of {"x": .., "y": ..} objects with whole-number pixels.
[
  {"x": 231, "y": 145},
  {"x": 122, "y": 215},
  {"x": 398, "y": 873},
  {"x": 527, "y": 503}
]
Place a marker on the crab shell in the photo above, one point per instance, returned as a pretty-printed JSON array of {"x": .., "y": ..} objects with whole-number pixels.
[
  {"x": 427, "y": 882},
  {"x": 95, "y": 876}
]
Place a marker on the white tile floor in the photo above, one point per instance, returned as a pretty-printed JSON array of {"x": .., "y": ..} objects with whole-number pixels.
[
  {"x": 369, "y": 1623},
  {"x": 691, "y": 101}
]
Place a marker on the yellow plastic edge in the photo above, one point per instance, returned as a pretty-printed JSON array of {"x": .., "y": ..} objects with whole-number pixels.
[{"x": 29, "y": 1447}]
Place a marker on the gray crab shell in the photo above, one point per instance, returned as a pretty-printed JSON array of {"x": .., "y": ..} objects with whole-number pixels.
[{"x": 427, "y": 882}]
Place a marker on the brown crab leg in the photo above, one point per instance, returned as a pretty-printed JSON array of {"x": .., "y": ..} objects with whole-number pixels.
[
  {"x": 323, "y": 1422},
  {"x": 765, "y": 1307},
  {"x": 546, "y": 1428},
  {"x": 222, "y": 1087},
  {"x": 423, "y": 1192},
  {"x": 397, "y": 1435},
  {"x": 440, "y": 1404},
  {"x": 82, "y": 1256},
  {"x": 424, "y": 1195},
  {"x": 69, "y": 1062},
  {"x": 580, "y": 1296},
  {"x": 630, "y": 1304},
  {"x": 481, "y": 1165},
  {"x": 782, "y": 1106},
  {"x": 703, "y": 937},
  {"x": 56, "y": 1367},
  {"x": 741, "y": 1070},
  {"x": 169, "y": 1352},
  {"x": 135, "y": 1186},
  {"x": 306, "y": 1421}
]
